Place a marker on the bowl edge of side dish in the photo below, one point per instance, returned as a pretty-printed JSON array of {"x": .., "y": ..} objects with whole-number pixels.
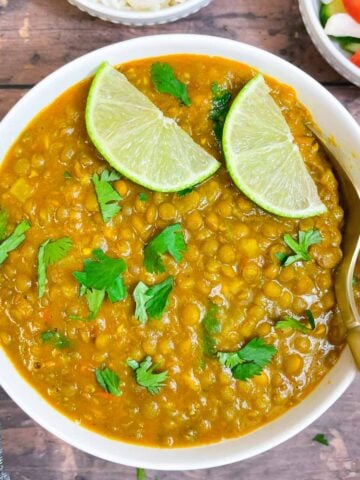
[
  {"x": 326, "y": 47},
  {"x": 330, "y": 116},
  {"x": 140, "y": 18}
]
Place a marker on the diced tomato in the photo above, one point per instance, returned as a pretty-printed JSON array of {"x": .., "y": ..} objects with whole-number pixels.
[
  {"x": 356, "y": 59},
  {"x": 353, "y": 8}
]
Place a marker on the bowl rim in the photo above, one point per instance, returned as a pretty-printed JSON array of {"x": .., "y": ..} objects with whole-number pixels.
[
  {"x": 294, "y": 420},
  {"x": 164, "y": 13},
  {"x": 335, "y": 57}
]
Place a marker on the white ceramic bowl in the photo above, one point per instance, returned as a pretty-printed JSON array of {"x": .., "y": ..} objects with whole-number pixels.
[
  {"x": 331, "y": 117},
  {"x": 330, "y": 50},
  {"x": 131, "y": 17}
]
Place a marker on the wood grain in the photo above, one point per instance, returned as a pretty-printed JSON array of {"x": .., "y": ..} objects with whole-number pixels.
[
  {"x": 42, "y": 35},
  {"x": 38, "y": 36}
]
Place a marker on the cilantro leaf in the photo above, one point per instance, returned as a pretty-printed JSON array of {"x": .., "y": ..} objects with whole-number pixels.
[
  {"x": 67, "y": 174},
  {"x": 100, "y": 277},
  {"x": 355, "y": 281},
  {"x": 107, "y": 196},
  {"x": 56, "y": 339},
  {"x": 210, "y": 321},
  {"x": 13, "y": 240},
  {"x": 49, "y": 253},
  {"x": 186, "y": 191},
  {"x": 140, "y": 297},
  {"x": 143, "y": 197},
  {"x": 210, "y": 325},
  {"x": 145, "y": 376},
  {"x": 171, "y": 240},
  {"x": 109, "y": 381},
  {"x": 158, "y": 296},
  {"x": 102, "y": 272},
  {"x": 300, "y": 248},
  {"x": 220, "y": 106},
  {"x": 94, "y": 299},
  {"x": 321, "y": 438},
  {"x": 311, "y": 319},
  {"x": 152, "y": 301},
  {"x": 250, "y": 360},
  {"x": 164, "y": 80},
  {"x": 290, "y": 322},
  {"x": 140, "y": 474},
  {"x": 4, "y": 217}
]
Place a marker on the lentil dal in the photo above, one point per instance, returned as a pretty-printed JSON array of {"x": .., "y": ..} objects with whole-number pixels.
[{"x": 230, "y": 261}]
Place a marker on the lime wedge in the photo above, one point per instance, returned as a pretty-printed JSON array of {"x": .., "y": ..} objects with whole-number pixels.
[
  {"x": 135, "y": 137},
  {"x": 262, "y": 157}
]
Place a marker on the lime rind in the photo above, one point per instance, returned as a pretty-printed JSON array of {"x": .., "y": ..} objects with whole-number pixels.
[
  {"x": 262, "y": 157},
  {"x": 135, "y": 137}
]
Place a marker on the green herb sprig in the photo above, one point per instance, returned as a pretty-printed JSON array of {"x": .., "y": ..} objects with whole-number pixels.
[
  {"x": 300, "y": 248},
  {"x": 145, "y": 376},
  {"x": 293, "y": 323},
  {"x": 50, "y": 252},
  {"x": 100, "y": 277},
  {"x": 165, "y": 81},
  {"x": 321, "y": 438},
  {"x": 56, "y": 339},
  {"x": 221, "y": 99},
  {"x": 106, "y": 194},
  {"x": 250, "y": 360},
  {"x": 109, "y": 381},
  {"x": 172, "y": 241},
  {"x": 151, "y": 302},
  {"x": 14, "y": 240},
  {"x": 211, "y": 326}
]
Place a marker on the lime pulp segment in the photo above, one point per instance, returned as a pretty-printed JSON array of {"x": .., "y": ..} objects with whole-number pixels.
[
  {"x": 262, "y": 157},
  {"x": 135, "y": 137}
]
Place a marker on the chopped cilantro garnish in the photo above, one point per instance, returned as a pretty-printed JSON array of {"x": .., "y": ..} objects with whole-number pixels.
[
  {"x": 250, "y": 360},
  {"x": 3, "y": 223},
  {"x": 164, "y": 80},
  {"x": 140, "y": 474},
  {"x": 94, "y": 299},
  {"x": 108, "y": 381},
  {"x": 211, "y": 326},
  {"x": 143, "y": 197},
  {"x": 311, "y": 319},
  {"x": 13, "y": 240},
  {"x": 186, "y": 191},
  {"x": 320, "y": 438},
  {"x": 220, "y": 106},
  {"x": 355, "y": 281},
  {"x": 171, "y": 240},
  {"x": 101, "y": 273},
  {"x": 107, "y": 196},
  {"x": 99, "y": 277},
  {"x": 145, "y": 376},
  {"x": 49, "y": 253},
  {"x": 152, "y": 301},
  {"x": 300, "y": 248},
  {"x": 290, "y": 322},
  {"x": 67, "y": 174},
  {"x": 56, "y": 339}
]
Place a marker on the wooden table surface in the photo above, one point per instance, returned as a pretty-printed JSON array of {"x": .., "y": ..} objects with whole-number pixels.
[{"x": 38, "y": 36}]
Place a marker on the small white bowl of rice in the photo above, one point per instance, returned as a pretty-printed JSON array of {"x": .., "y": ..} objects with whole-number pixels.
[{"x": 140, "y": 12}]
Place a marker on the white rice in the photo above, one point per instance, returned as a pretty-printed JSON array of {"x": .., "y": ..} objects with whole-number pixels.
[{"x": 140, "y": 5}]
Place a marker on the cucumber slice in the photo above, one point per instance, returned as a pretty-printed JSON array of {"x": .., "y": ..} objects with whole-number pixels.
[
  {"x": 351, "y": 46},
  {"x": 329, "y": 9}
]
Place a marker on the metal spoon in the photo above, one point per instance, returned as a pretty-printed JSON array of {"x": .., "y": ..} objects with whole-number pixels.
[{"x": 350, "y": 246}]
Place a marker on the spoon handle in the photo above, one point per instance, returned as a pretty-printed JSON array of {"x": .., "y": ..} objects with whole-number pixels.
[{"x": 353, "y": 339}]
